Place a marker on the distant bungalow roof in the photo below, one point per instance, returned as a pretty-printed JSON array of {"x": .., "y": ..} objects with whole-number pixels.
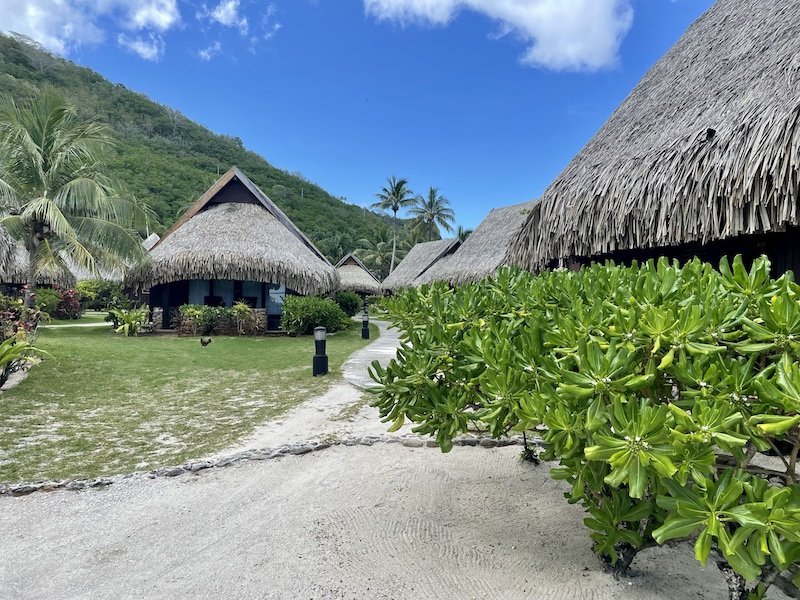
[
  {"x": 355, "y": 277},
  {"x": 234, "y": 231},
  {"x": 485, "y": 250},
  {"x": 417, "y": 261},
  {"x": 706, "y": 146}
]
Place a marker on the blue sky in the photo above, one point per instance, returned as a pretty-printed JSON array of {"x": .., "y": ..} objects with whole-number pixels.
[{"x": 487, "y": 100}]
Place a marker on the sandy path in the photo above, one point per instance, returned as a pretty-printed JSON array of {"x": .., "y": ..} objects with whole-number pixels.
[{"x": 360, "y": 522}]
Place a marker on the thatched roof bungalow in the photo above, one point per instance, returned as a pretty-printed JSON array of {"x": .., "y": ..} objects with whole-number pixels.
[
  {"x": 354, "y": 276},
  {"x": 702, "y": 158},
  {"x": 418, "y": 260},
  {"x": 484, "y": 251},
  {"x": 233, "y": 244}
]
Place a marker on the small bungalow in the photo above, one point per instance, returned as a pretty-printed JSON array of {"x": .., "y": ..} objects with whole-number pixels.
[
  {"x": 702, "y": 158},
  {"x": 233, "y": 244},
  {"x": 484, "y": 251},
  {"x": 418, "y": 260},
  {"x": 355, "y": 277}
]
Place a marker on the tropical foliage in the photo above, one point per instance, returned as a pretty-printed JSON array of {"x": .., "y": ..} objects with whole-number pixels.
[
  {"x": 660, "y": 390},
  {"x": 377, "y": 253},
  {"x": 56, "y": 196},
  {"x": 432, "y": 213},
  {"x": 129, "y": 321},
  {"x": 394, "y": 196},
  {"x": 349, "y": 302},
  {"x": 301, "y": 314}
]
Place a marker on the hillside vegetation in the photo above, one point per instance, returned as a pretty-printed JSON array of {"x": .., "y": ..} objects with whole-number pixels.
[{"x": 168, "y": 160}]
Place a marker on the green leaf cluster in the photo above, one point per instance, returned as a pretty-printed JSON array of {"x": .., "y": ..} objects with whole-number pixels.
[{"x": 656, "y": 387}]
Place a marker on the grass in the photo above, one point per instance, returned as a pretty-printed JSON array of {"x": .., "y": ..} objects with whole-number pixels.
[
  {"x": 102, "y": 404},
  {"x": 87, "y": 317}
]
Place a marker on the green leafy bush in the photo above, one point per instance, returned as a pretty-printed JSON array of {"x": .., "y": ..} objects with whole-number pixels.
[
  {"x": 129, "y": 321},
  {"x": 349, "y": 302},
  {"x": 47, "y": 300},
  {"x": 69, "y": 305},
  {"x": 301, "y": 314},
  {"x": 99, "y": 294},
  {"x": 207, "y": 320},
  {"x": 654, "y": 386}
]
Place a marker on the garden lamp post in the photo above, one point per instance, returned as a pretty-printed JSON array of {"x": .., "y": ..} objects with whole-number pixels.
[
  {"x": 320, "y": 364},
  {"x": 365, "y": 324}
]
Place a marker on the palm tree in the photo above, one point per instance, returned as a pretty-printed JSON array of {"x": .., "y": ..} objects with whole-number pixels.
[
  {"x": 394, "y": 196},
  {"x": 377, "y": 254},
  {"x": 462, "y": 233},
  {"x": 433, "y": 212},
  {"x": 55, "y": 197}
]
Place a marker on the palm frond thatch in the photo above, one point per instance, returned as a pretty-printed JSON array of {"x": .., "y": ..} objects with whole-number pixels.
[
  {"x": 355, "y": 277},
  {"x": 706, "y": 147},
  {"x": 417, "y": 261},
  {"x": 484, "y": 251},
  {"x": 235, "y": 231},
  {"x": 16, "y": 271}
]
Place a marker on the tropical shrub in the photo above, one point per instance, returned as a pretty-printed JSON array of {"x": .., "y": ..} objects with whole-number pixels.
[
  {"x": 69, "y": 305},
  {"x": 349, "y": 302},
  {"x": 301, "y": 314},
  {"x": 99, "y": 294},
  {"x": 659, "y": 389},
  {"x": 211, "y": 320},
  {"x": 243, "y": 315},
  {"x": 15, "y": 352},
  {"x": 129, "y": 321},
  {"x": 47, "y": 299}
]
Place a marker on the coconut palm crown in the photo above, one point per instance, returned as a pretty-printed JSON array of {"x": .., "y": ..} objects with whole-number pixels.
[
  {"x": 394, "y": 196},
  {"x": 56, "y": 197},
  {"x": 432, "y": 212}
]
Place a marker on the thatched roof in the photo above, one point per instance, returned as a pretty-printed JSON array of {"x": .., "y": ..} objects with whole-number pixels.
[
  {"x": 485, "y": 250},
  {"x": 234, "y": 231},
  {"x": 707, "y": 146},
  {"x": 417, "y": 261},
  {"x": 16, "y": 271},
  {"x": 355, "y": 277}
]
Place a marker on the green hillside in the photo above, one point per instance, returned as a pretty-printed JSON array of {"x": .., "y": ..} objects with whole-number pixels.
[{"x": 168, "y": 160}]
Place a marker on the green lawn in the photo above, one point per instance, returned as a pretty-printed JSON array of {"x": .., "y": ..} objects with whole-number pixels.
[
  {"x": 87, "y": 317},
  {"x": 103, "y": 404}
]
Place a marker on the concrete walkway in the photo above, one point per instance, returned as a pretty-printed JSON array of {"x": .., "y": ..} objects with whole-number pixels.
[{"x": 383, "y": 350}]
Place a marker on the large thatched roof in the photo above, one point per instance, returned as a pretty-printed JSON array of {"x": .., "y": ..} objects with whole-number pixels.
[
  {"x": 355, "y": 277},
  {"x": 417, "y": 261},
  {"x": 234, "y": 231},
  {"x": 485, "y": 250},
  {"x": 707, "y": 146}
]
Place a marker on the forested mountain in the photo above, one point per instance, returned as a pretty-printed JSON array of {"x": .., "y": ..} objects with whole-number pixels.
[{"x": 168, "y": 160}]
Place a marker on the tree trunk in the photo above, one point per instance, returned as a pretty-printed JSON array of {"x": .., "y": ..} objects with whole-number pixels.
[
  {"x": 394, "y": 243},
  {"x": 30, "y": 284}
]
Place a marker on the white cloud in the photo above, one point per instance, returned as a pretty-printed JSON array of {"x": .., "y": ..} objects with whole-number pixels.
[
  {"x": 150, "y": 47},
  {"x": 63, "y": 25},
  {"x": 226, "y": 13},
  {"x": 560, "y": 34},
  {"x": 211, "y": 51}
]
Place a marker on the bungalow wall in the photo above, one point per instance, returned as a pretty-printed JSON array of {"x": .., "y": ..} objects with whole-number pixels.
[{"x": 219, "y": 292}]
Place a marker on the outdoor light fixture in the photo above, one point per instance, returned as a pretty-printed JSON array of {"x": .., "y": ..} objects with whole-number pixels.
[
  {"x": 365, "y": 324},
  {"x": 320, "y": 364}
]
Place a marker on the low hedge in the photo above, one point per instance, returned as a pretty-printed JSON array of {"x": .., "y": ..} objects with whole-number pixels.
[{"x": 301, "y": 314}]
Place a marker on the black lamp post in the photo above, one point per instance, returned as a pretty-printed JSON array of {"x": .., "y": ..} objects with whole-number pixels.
[
  {"x": 320, "y": 364},
  {"x": 365, "y": 324}
]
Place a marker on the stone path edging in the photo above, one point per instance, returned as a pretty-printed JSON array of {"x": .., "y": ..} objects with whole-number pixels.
[{"x": 195, "y": 466}]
